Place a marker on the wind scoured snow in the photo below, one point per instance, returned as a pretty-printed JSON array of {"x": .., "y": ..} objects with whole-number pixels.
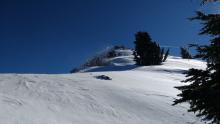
[{"x": 135, "y": 95}]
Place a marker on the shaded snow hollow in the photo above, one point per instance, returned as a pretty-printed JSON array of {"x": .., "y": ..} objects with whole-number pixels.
[{"x": 135, "y": 95}]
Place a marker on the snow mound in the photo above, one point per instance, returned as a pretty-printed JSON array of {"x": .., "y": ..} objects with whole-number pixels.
[
  {"x": 135, "y": 95},
  {"x": 124, "y": 61}
]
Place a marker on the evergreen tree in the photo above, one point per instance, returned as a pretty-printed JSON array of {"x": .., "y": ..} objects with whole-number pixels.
[
  {"x": 205, "y": 1},
  {"x": 185, "y": 53},
  {"x": 146, "y": 51},
  {"x": 166, "y": 55},
  {"x": 74, "y": 70},
  {"x": 141, "y": 43},
  {"x": 203, "y": 92}
]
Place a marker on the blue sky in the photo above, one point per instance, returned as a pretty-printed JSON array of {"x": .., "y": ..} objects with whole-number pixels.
[{"x": 53, "y": 36}]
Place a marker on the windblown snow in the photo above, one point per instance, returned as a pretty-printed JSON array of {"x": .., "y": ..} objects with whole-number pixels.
[{"x": 134, "y": 95}]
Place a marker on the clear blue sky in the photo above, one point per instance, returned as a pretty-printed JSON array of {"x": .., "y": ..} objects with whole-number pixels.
[{"x": 53, "y": 36}]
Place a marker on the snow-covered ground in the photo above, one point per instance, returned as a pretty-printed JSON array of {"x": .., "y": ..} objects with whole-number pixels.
[{"x": 135, "y": 95}]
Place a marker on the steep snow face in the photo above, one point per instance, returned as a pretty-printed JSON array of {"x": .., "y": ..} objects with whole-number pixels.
[{"x": 134, "y": 95}]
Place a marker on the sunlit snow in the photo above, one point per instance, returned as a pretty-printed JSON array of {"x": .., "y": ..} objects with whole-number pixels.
[{"x": 134, "y": 95}]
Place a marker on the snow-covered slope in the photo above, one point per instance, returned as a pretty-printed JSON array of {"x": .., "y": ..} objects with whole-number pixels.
[{"x": 135, "y": 95}]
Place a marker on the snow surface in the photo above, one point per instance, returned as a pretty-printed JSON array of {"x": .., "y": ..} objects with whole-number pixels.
[{"x": 135, "y": 95}]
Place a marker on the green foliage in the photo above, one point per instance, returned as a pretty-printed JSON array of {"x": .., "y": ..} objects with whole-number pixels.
[
  {"x": 166, "y": 55},
  {"x": 185, "y": 53},
  {"x": 205, "y": 1},
  {"x": 211, "y": 22},
  {"x": 146, "y": 51},
  {"x": 203, "y": 92},
  {"x": 74, "y": 70},
  {"x": 122, "y": 47}
]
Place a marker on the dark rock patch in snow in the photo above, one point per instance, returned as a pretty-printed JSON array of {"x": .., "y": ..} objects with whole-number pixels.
[{"x": 103, "y": 77}]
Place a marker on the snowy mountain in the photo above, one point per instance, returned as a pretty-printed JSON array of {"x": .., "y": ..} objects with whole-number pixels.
[{"x": 131, "y": 95}]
